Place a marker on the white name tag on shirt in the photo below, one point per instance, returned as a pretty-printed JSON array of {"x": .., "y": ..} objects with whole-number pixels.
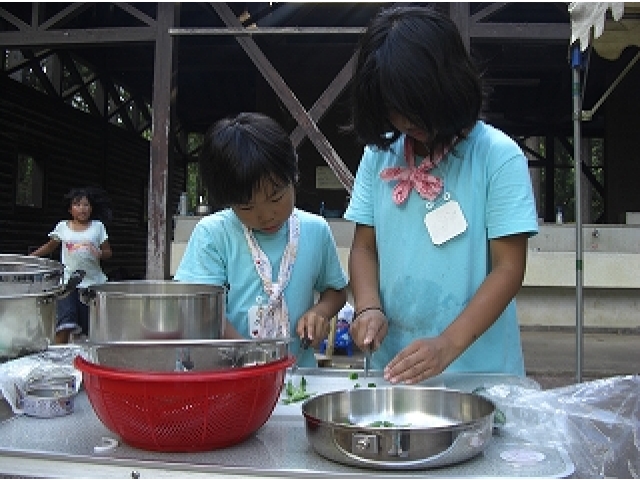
[{"x": 445, "y": 222}]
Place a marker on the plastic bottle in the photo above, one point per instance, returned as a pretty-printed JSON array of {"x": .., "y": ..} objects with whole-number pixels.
[
  {"x": 559, "y": 216},
  {"x": 183, "y": 204}
]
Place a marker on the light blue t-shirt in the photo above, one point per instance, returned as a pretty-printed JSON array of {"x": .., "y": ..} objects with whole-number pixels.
[
  {"x": 217, "y": 253},
  {"x": 423, "y": 286}
]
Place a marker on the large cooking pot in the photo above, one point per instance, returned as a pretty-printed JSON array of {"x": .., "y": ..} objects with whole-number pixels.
[
  {"x": 20, "y": 274},
  {"x": 29, "y": 287},
  {"x": 154, "y": 310},
  {"x": 399, "y": 427}
]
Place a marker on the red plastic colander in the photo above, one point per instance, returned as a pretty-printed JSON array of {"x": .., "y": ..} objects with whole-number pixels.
[{"x": 184, "y": 411}]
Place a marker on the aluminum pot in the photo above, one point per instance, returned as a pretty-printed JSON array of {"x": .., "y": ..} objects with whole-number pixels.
[
  {"x": 27, "y": 320},
  {"x": 20, "y": 274},
  {"x": 399, "y": 427},
  {"x": 154, "y": 310}
]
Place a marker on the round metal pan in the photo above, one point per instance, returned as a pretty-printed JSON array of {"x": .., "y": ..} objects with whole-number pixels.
[{"x": 399, "y": 427}]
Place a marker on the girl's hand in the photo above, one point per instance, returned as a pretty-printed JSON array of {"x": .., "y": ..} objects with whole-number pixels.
[
  {"x": 369, "y": 329},
  {"x": 95, "y": 251},
  {"x": 421, "y": 359},
  {"x": 313, "y": 326}
]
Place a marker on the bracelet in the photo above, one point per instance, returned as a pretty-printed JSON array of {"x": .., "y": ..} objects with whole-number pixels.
[{"x": 366, "y": 309}]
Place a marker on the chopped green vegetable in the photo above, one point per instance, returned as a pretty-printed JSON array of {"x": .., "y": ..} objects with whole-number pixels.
[
  {"x": 353, "y": 376},
  {"x": 371, "y": 385},
  {"x": 381, "y": 423},
  {"x": 295, "y": 394},
  {"x": 356, "y": 385}
]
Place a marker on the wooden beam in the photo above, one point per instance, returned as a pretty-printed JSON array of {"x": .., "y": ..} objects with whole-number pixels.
[
  {"x": 13, "y": 20},
  {"x": 86, "y": 36},
  {"x": 327, "y": 98},
  {"x": 251, "y": 31},
  {"x": 521, "y": 31},
  {"x": 288, "y": 98},
  {"x": 459, "y": 14},
  {"x": 157, "y": 209},
  {"x": 134, "y": 12},
  {"x": 487, "y": 11},
  {"x": 68, "y": 13}
]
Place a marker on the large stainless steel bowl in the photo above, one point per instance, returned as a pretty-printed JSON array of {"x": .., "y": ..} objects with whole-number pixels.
[
  {"x": 399, "y": 427},
  {"x": 155, "y": 310},
  {"x": 196, "y": 356}
]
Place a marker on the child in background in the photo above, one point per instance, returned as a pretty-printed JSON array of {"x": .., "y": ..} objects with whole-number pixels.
[
  {"x": 443, "y": 206},
  {"x": 273, "y": 258},
  {"x": 85, "y": 244}
]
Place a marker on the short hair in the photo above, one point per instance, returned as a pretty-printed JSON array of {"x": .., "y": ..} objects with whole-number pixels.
[
  {"x": 412, "y": 60},
  {"x": 240, "y": 153}
]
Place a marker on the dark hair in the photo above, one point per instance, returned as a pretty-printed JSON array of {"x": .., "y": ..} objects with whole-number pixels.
[
  {"x": 240, "y": 153},
  {"x": 98, "y": 199},
  {"x": 412, "y": 60}
]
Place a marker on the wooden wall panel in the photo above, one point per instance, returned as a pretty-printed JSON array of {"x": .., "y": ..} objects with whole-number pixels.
[{"x": 74, "y": 149}]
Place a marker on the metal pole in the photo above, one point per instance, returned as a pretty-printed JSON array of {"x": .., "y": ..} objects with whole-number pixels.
[{"x": 577, "y": 117}]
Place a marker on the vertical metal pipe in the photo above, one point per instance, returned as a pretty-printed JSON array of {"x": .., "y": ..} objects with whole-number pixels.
[{"x": 577, "y": 118}]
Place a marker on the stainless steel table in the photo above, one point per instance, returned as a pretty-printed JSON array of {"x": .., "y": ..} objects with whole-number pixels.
[{"x": 64, "y": 446}]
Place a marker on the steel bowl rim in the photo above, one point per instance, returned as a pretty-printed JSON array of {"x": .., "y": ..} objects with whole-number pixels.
[
  {"x": 98, "y": 370},
  {"x": 458, "y": 425}
]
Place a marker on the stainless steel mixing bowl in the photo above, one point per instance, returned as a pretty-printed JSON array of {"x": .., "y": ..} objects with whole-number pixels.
[{"x": 188, "y": 355}]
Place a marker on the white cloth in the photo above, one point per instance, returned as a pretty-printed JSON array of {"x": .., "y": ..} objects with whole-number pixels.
[{"x": 585, "y": 15}]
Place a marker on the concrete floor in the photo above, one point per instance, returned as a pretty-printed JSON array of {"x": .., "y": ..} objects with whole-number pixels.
[{"x": 550, "y": 356}]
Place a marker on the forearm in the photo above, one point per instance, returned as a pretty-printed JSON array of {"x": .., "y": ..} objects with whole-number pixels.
[
  {"x": 105, "y": 251},
  {"x": 484, "y": 308},
  {"x": 363, "y": 273},
  {"x": 45, "y": 249},
  {"x": 330, "y": 302}
]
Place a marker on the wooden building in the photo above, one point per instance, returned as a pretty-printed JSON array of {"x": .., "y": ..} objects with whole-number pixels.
[{"x": 116, "y": 94}]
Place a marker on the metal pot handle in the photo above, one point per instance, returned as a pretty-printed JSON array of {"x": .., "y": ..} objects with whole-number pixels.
[
  {"x": 74, "y": 280},
  {"x": 86, "y": 295}
]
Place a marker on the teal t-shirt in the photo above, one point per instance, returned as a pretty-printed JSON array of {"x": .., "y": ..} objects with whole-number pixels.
[
  {"x": 424, "y": 286},
  {"x": 217, "y": 253}
]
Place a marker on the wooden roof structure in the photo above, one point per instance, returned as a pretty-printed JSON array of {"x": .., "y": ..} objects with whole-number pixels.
[{"x": 187, "y": 64}]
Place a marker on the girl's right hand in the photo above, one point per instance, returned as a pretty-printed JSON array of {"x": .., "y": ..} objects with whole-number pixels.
[{"x": 369, "y": 329}]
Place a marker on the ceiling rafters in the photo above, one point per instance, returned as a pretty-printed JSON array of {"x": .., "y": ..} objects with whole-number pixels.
[
  {"x": 71, "y": 67},
  {"x": 52, "y": 31},
  {"x": 120, "y": 109},
  {"x": 30, "y": 62},
  {"x": 285, "y": 94},
  {"x": 36, "y": 68},
  {"x": 487, "y": 11},
  {"x": 13, "y": 20},
  {"x": 134, "y": 12},
  {"x": 65, "y": 14}
]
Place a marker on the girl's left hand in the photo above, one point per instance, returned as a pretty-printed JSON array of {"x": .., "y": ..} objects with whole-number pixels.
[
  {"x": 421, "y": 359},
  {"x": 313, "y": 326},
  {"x": 96, "y": 252}
]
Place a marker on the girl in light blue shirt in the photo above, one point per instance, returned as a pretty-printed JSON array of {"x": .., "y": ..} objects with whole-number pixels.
[
  {"x": 443, "y": 204},
  {"x": 274, "y": 259}
]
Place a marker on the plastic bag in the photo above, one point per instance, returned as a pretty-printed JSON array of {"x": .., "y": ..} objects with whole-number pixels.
[
  {"x": 597, "y": 422},
  {"x": 16, "y": 375}
]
